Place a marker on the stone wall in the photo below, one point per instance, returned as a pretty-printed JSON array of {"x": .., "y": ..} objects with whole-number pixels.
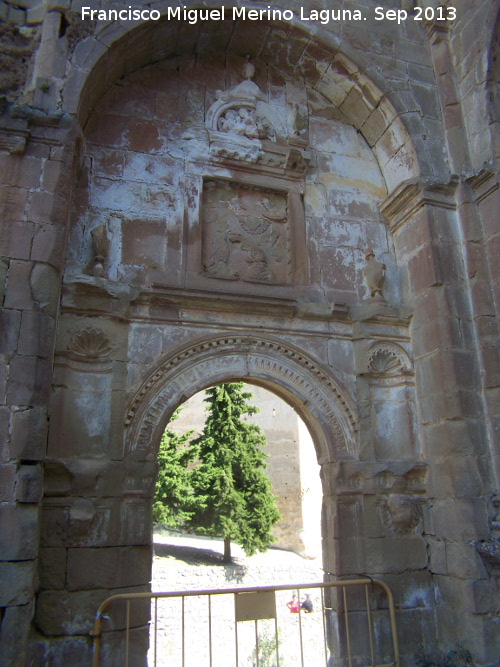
[{"x": 175, "y": 214}]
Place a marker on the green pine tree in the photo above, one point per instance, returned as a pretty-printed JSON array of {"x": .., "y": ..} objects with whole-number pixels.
[
  {"x": 232, "y": 495},
  {"x": 173, "y": 485}
]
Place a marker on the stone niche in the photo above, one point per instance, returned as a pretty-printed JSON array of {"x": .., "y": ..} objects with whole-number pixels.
[{"x": 246, "y": 233}]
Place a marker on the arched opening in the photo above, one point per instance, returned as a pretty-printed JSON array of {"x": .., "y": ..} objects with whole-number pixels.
[
  {"x": 291, "y": 465},
  {"x": 182, "y": 560}
]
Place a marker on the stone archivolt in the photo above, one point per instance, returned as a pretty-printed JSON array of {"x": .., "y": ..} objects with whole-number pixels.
[{"x": 266, "y": 361}]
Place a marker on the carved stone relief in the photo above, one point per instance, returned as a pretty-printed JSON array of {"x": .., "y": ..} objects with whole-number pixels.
[
  {"x": 374, "y": 274},
  {"x": 100, "y": 250},
  {"x": 388, "y": 359},
  {"x": 89, "y": 351},
  {"x": 401, "y": 514},
  {"x": 272, "y": 362},
  {"x": 246, "y": 233}
]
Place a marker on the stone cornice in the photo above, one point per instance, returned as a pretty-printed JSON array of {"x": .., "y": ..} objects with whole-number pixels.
[
  {"x": 408, "y": 198},
  {"x": 483, "y": 184}
]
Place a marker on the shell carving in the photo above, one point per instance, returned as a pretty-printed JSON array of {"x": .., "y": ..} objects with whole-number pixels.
[
  {"x": 386, "y": 358},
  {"x": 385, "y": 362},
  {"x": 90, "y": 343}
]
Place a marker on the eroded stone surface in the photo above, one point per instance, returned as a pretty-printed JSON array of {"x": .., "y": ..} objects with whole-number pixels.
[{"x": 366, "y": 136}]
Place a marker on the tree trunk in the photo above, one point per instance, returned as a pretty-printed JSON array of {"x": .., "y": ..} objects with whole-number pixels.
[{"x": 227, "y": 550}]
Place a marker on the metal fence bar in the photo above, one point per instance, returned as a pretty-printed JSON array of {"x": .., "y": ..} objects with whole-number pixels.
[
  {"x": 235, "y": 631},
  {"x": 256, "y": 642},
  {"x": 210, "y": 628},
  {"x": 156, "y": 628},
  {"x": 300, "y": 632},
  {"x": 369, "y": 621},
  {"x": 127, "y": 633},
  {"x": 347, "y": 625},
  {"x": 276, "y": 640},
  {"x": 324, "y": 624},
  {"x": 183, "y": 636},
  {"x": 128, "y": 597}
]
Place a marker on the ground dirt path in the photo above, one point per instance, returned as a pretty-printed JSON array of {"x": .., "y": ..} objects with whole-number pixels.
[{"x": 191, "y": 563}]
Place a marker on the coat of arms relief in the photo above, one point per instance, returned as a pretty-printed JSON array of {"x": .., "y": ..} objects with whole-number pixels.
[
  {"x": 247, "y": 229},
  {"x": 245, "y": 233}
]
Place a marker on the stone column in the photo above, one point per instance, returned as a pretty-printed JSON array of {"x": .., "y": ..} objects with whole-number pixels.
[
  {"x": 450, "y": 406},
  {"x": 36, "y": 179}
]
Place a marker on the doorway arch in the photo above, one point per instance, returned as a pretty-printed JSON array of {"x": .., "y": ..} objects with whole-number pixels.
[{"x": 318, "y": 397}]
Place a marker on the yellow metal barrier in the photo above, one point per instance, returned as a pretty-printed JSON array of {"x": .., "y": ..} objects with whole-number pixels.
[{"x": 368, "y": 624}]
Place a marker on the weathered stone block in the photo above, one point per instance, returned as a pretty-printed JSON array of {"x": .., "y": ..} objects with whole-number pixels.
[
  {"x": 22, "y": 172},
  {"x": 15, "y": 239},
  {"x": 424, "y": 270},
  {"x": 29, "y": 485},
  {"x": 18, "y": 293},
  {"x": 8, "y": 480},
  {"x": 52, "y": 568},
  {"x": 61, "y": 651},
  {"x": 10, "y": 321},
  {"x": 44, "y": 283},
  {"x": 437, "y": 554},
  {"x": 108, "y": 567},
  {"x": 14, "y": 632},
  {"x": 36, "y": 334},
  {"x": 46, "y": 207},
  {"x": 63, "y": 613},
  {"x": 29, "y": 380},
  {"x": 17, "y": 583},
  {"x": 461, "y": 519},
  {"x": 484, "y": 595},
  {"x": 19, "y": 528},
  {"x": 12, "y": 202},
  {"x": 29, "y": 434},
  {"x": 464, "y": 562},
  {"x": 392, "y": 554},
  {"x": 48, "y": 245}
]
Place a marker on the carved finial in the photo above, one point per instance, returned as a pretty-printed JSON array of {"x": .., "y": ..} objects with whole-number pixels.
[
  {"x": 100, "y": 246},
  {"x": 248, "y": 68},
  {"x": 374, "y": 274}
]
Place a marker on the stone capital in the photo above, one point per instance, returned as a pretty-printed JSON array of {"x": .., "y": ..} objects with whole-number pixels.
[{"x": 409, "y": 197}]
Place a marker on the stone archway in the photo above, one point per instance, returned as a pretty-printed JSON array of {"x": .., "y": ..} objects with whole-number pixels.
[{"x": 317, "y": 396}]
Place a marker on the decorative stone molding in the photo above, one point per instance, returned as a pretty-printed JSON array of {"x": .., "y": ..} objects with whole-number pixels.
[
  {"x": 240, "y": 132},
  {"x": 401, "y": 514},
  {"x": 100, "y": 249},
  {"x": 490, "y": 549},
  {"x": 400, "y": 478},
  {"x": 483, "y": 184},
  {"x": 407, "y": 199},
  {"x": 374, "y": 275},
  {"x": 325, "y": 406},
  {"x": 89, "y": 350},
  {"x": 385, "y": 359}
]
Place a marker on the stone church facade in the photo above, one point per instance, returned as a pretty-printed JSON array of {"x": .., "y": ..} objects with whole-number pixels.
[{"x": 310, "y": 208}]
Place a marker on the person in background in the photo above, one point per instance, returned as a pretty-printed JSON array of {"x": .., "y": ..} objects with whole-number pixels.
[
  {"x": 307, "y": 604},
  {"x": 293, "y": 605}
]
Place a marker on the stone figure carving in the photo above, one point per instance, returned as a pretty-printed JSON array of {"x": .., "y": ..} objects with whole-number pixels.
[
  {"x": 401, "y": 514},
  {"x": 243, "y": 121},
  {"x": 374, "y": 274},
  {"x": 100, "y": 248},
  {"x": 245, "y": 233}
]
